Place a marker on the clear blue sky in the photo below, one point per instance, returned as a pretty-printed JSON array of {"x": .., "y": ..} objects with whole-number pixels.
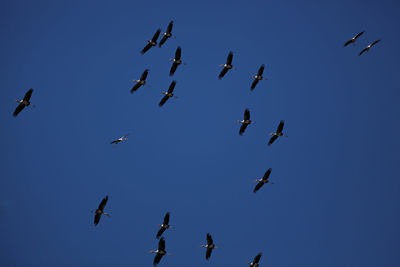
[{"x": 335, "y": 201}]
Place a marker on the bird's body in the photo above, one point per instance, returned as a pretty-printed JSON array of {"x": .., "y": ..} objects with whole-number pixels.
[
  {"x": 353, "y": 40},
  {"x": 262, "y": 181},
  {"x": 176, "y": 61},
  {"x": 100, "y": 211},
  {"x": 227, "y": 66},
  {"x": 167, "y": 34},
  {"x": 23, "y": 102},
  {"x": 121, "y": 139},
  {"x": 210, "y": 246},
  {"x": 140, "y": 82},
  {"x": 276, "y": 134},
  {"x": 160, "y": 252},
  {"x": 257, "y": 77},
  {"x": 168, "y": 94},
  {"x": 246, "y": 121},
  {"x": 164, "y": 226},
  {"x": 152, "y": 42},
  {"x": 254, "y": 263},
  {"x": 369, "y": 47}
]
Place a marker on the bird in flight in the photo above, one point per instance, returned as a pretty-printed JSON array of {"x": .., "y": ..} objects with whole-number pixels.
[
  {"x": 100, "y": 211},
  {"x": 276, "y": 134},
  {"x": 353, "y": 40},
  {"x": 176, "y": 61},
  {"x": 160, "y": 252},
  {"x": 246, "y": 121},
  {"x": 164, "y": 226},
  {"x": 258, "y": 77},
  {"x": 254, "y": 263},
  {"x": 369, "y": 47},
  {"x": 227, "y": 66},
  {"x": 168, "y": 94},
  {"x": 23, "y": 102},
  {"x": 152, "y": 42},
  {"x": 121, "y": 139},
  {"x": 140, "y": 82},
  {"x": 210, "y": 246},
  {"x": 167, "y": 34},
  {"x": 263, "y": 180}
]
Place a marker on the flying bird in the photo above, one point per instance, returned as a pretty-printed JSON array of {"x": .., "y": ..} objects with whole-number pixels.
[
  {"x": 176, "y": 61},
  {"x": 168, "y": 94},
  {"x": 352, "y": 40},
  {"x": 164, "y": 226},
  {"x": 254, "y": 263},
  {"x": 121, "y": 139},
  {"x": 23, "y": 102},
  {"x": 258, "y": 77},
  {"x": 152, "y": 42},
  {"x": 246, "y": 121},
  {"x": 167, "y": 34},
  {"x": 276, "y": 134},
  {"x": 160, "y": 252},
  {"x": 141, "y": 81},
  {"x": 368, "y": 47},
  {"x": 210, "y": 246},
  {"x": 227, "y": 66},
  {"x": 100, "y": 210},
  {"x": 263, "y": 180}
]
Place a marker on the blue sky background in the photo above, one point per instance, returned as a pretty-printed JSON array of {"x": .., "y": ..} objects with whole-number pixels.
[{"x": 336, "y": 195}]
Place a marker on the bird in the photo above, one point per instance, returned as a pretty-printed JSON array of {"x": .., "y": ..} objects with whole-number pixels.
[
  {"x": 168, "y": 94},
  {"x": 278, "y": 133},
  {"x": 258, "y": 77},
  {"x": 176, "y": 61},
  {"x": 254, "y": 263},
  {"x": 352, "y": 40},
  {"x": 210, "y": 246},
  {"x": 167, "y": 34},
  {"x": 23, "y": 102},
  {"x": 262, "y": 181},
  {"x": 152, "y": 42},
  {"x": 164, "y": 226},
  {"x": 160, "y": 252},
  {"x": 246, "y": 121},
  {"x": 141, "y": 81},
  {"x": 227, "y": 66},
  {"x": 368, "y": 47},
  {"x": 121, "y": 139},
  {"x": 100, "y": 210}
]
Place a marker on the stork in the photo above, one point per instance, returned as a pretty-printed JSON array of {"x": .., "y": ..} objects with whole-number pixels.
[
  {"x": 254, "y": 263},
  {"x": 258, "y": 77},
  {"x": 176, "y": 61},
  {"x": 141, "y": 81},
  {"x": 227, "y": 66},
  {"x": 167, "y": 34},
  {"x": 121, "y": 139},
  {"x": 168, "y": 94},
  {"x": 152, "y": 42},
  {"x": 276, "y": 134},
  {"x": 100, "y": 211},
  {"x": 246, "y": 121},
  {"x": 263, "y": 180},
  {"x": 369, "y": 47},
  {"x": 160, "y": 252},
  {"x": 164, "y": 226},
  {"x": 210, "y": 246},
  {"x": 353, "y": 40},
  {"x": 23, "y": 102}
]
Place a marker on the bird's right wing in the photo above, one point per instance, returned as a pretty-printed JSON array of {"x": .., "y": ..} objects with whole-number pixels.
[
  {"x": 135, "y": 87},
  {"x": 178, "y": 53},
  {"x": 246, "y": 114},
  {"x": 209, "y": 239},
  {"x": 162, "y": 41},
  {"x": 222, "y": 73},
  {"x": 272, "y": 139},
  {"x": 280, "y": 127},
  {"x": 97, "y": 218},
  {"x": 365, "y": 49},
  {"x": 170, "y": 25},
  {"x": 348, "y": 42},
  {"x": 155, "y": 36},
  {"x": 173, "y": 68},
  {"x": 358, "y": 35},
  {"x": 157, "y": 259},
  {"x": 253, "y": 85},
  {"x": 163, "y": 100},
  {"x": 146, "y": 48},
  {"x": 18, "y": 109},
  {"x": 160, "y": 232},
  {"x": 242, "y": 128},
  {"x": 258, "y": 186},
  {"x": 161, "y": 244},
  {"x": 28, "y": 95},
  {"x": 144, "y": 75},
  {"x": 229, "y": 58},
  {"x": 260, "y": 70},
  {"x": 267, "y": 174},
  {"x": 103, "y": 203},
  {"x": 166, "y": 219},
  {"x": 257, "y": 258},
  {"x": 208, "y": 253}
]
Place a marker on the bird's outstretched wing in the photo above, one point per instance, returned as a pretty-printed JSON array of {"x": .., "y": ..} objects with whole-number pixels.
[
  {"x": 173, "y": 68},
  {"x": 209, "y": 239},
  {"x": 242, "y": 128},
  {"x": 358, "y": 35},
  {"x": 97, "y": 218},
  {"x": 362, "y": 51},
  {"x": 155, "y": 36},
  {"x": 144, "y": 75},
  {"x": 272, "y": 139},
  {"x": 170, "y": 25},
  {"x": 246, "y": 114},
  {"x": 178, "y": 53},
  {"x": 222, "y": 73},
  {"x": 280, "y": 127},
  {"x": 146, "y": 48},
  {"x": 257, "y": 258},
  {"x": 254, "y": 83},
  {"x": 229, "y": 58},
  {"x": 348, "y": 42},
  {"x": 160, "y": 232},
  {"x": 258, "y": 186},
  {"x": 114, "y": 142},
  {"x": 103, "y": 203},
  {"x": 28, "y": 95},
  {"x": 135, "y": 87},
  {"x": 18, "y": 109},
  {"x": 267, "y": 174},
  {"x": 162, "y": 41},
  {"x": 260, "y": 70},
  {"x": 161, "y": 244},
  {"x": 163, "y": 100},
  {"x": 166, "y": 219},
  {"x": 157, "y": 259},
  {"x": 208, "y": 253},
  {"x": 375, "y": 42}
]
